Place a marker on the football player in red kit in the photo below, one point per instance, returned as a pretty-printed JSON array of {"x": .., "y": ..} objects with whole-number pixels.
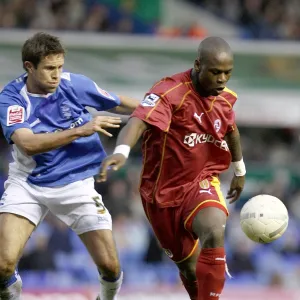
[{"x": 189, "y": 137}]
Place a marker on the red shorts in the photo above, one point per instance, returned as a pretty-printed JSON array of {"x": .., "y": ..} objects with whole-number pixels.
[{"x": 173, "y": 225}]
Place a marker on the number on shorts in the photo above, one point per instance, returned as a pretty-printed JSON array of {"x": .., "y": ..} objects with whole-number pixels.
[{"x": 99, "y": 205}]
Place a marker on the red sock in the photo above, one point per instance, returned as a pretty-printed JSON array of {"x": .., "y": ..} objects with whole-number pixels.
[
  {"x": 190, "y": 286},
  {"x": 211, "y": 273}
]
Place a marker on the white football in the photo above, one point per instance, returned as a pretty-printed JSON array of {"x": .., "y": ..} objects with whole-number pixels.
[{"x": 264, "y": 218}]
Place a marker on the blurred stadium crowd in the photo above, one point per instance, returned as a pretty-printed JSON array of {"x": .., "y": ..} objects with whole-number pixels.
[
  {"x": 259, "y": 19},
  {"x": 122, "y": 16},
  {"x": 256, "y": 19},
  {"x": 56, "y": 252}
]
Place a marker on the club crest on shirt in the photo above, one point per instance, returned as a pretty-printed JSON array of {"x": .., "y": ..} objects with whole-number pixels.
[
  {"x": 15, "y": 115},
  {"x": 204, "y": 184},
  {"x": 66, "y": 111},
  {"x": 217, "y": 125},
  {"x": 150, "y": 100}
]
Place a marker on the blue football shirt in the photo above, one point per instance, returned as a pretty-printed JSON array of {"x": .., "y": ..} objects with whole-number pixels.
[{"x": 62, "y": 110}]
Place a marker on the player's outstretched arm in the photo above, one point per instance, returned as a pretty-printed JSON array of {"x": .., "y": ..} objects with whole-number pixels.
[
  {"x": 127, "y": 106},
  {"x": 237, "y": 184},
  {"x": 32, "y": 144},
  {"x": 127, "y": 138}
]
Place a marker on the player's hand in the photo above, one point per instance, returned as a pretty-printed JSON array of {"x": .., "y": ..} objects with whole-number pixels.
[
  {"x": 114, "y": 162},
  {"x": 98, "y": 123},
  {"x": 236, "y": 188}
]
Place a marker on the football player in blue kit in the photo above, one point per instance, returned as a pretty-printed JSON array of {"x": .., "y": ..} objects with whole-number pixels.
[{"x": 56, "y": 152}]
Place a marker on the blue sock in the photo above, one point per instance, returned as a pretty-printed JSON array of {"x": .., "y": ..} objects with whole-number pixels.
[{"x": 5, "y": 283}]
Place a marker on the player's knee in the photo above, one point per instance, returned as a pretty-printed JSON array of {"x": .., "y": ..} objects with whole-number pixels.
[
  {"x": 213, "y": 238},
  {"x": 7, "y": 267},
  {"x": 110, "y": 268},
  {"x": 209, "y": 225}
]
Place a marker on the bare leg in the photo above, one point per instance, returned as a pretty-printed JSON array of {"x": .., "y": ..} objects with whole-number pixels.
[
  {"x": 14, "y": 233},
  {"x": 209, "y": 225},
  {"x": 188, "y": 277},
  {"x": 102, "y": 248}
]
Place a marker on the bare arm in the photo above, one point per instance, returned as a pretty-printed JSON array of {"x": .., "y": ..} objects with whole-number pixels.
[
  {"x": 32, "y": 144},
  {"x": 131, "y": 133},
  {"x": 238, "y": 181},
  {"x": 234, "y": 143},
  {"x": 127, "y": 137},
  {"x": 127, "y": 106}
]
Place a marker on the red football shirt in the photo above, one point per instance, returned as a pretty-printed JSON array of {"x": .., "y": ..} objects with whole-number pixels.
[{"x": 185, "y": 143}]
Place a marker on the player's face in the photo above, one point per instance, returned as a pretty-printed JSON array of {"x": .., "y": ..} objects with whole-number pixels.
[
  {"x": 214, "y": 73},
  {"x": 46, "y": 77}
]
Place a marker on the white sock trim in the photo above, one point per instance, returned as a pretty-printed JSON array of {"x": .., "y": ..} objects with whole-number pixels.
[
  {"x": 108, "y": 289},
  {"x": 227, "y": 271}
]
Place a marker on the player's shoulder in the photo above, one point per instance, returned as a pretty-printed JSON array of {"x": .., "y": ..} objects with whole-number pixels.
[
  {"x": 229, "y": 95},
  {"x": 73, "y": 81},
  {"x": 174, "y": 84},
  {"x": 66, "y": 76},
  {"x": 13, "y": 89},
  {"x": 69, "y": 78}
]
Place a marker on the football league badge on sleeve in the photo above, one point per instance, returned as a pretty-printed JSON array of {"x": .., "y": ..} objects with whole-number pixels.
[{"x": 150, "y": 100}]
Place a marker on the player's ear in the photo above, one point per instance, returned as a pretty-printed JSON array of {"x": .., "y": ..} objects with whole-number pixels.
[
  {"x": 28, "y": 66},
  {"x": 197, "y": 65}
]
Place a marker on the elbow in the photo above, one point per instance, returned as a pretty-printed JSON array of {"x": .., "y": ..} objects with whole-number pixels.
[
  {"x": 26, "y": 142},
  {"x": 29, "y": 149},
  {"x": 29, "y": 152}
]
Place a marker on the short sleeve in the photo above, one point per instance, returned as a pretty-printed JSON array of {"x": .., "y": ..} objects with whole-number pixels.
[
  {"x": 90, "y": 94},
  {"x": 231, "y": 121},
  {"x": 12, "y": 115},
  {"x": 155, "y": 110}
]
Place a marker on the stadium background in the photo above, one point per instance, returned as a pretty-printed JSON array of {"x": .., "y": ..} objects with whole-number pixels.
[{"x": 126, "y": 45}]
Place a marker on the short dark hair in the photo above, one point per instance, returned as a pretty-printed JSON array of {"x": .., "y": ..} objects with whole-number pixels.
[{"x": 39, "y": 46}]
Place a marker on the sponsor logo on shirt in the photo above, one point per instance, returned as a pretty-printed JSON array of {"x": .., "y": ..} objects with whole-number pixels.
[
  {"x": 198, "y": 117},
  {"x": 15, "y": 115},
  {"x": 193, "y": 139},
  {"x": 150, "y": 100},
  {"x": 73, "y": 125}
]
